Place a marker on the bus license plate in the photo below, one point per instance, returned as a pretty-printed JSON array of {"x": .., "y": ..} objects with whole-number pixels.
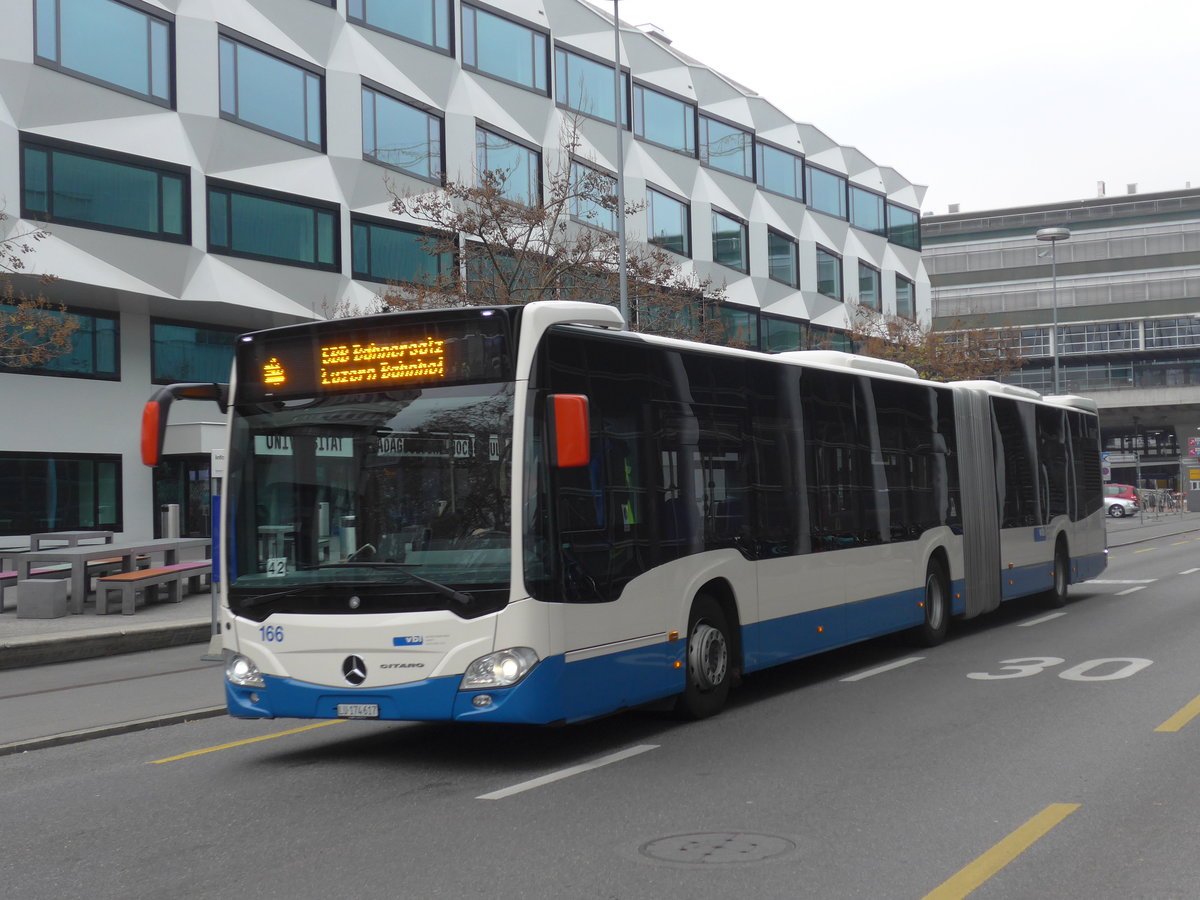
[{"x": 358, "y": 710}]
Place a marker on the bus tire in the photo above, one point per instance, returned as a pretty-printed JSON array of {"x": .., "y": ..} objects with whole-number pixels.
[
  {"x": 933, "y": 630},
  {"x": 709, "y": 661},
  {"x": 1056, "y": 597}
]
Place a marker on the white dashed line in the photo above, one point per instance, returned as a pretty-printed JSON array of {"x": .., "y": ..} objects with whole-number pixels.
[
  {"x": 567, "y": 773},
  {"x": 880, "y": 669}
]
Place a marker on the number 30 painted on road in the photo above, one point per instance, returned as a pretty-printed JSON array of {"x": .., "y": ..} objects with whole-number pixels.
[{"x": 1035, "y": 665}]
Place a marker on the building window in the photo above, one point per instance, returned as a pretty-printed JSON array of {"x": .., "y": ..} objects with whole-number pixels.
[
  {"x": 1101, "y": 337},
  {"x": 667, "y": 222},
  {"x": 729, "y": 242},
  {"x": 588, "y": 187},
  {"x": 586, "y": 86},
  {"x": 94, "y": 349},
  {"x": 866, "y": 210},
  {"x": 180, "y": 352},
  {"x": 59, "y": 492},
  {"x": 818, "y": 337},
  {"x": 272, "y": 227},
  {"x": 391, "y": 253},
  {"x": 726, "y": 147},
  {"x": 781, "y": 335},
  {"x": 282, "y": 97},
  {"x": 505, "y": 49},
  {"x": 425, "y": 22},
  {"x": 906, "y": 293},
  {"x": 109, "y": 191},
  {"x": 868, "y": 287},
  {"x": 1163, "y": 334},
  {"x": 903, "y": 227},
  {"x": 780, "y": 172},
  {"x": 783, "y": 258},
  {"x": 829, "y": 273},
  {"x": 740, "y": 326},
  {"x": 826, "y": 191},
  {"x": 664, "y": 120},
  {"x": 516, "y": 167},
  {"x": 401, "y": 135},
  {"x": 115, "y": 44}
]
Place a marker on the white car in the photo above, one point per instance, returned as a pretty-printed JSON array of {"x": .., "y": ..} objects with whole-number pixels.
[{"x": 1120, "y": 506}]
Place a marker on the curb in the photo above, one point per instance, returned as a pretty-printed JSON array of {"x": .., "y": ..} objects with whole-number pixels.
[
  {"x": 87, "y": 734},
  {"x": 23, "y": 652}
]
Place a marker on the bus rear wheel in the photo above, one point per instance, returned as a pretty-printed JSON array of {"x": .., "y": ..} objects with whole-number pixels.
[
  {"x": 709, "y": 661},
  {"x": 933, "y": 630},
  {"x": 1056, "y": 597}
]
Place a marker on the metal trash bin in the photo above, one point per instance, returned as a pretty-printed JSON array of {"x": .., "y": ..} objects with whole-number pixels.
[{"x": 42, "y": 598}]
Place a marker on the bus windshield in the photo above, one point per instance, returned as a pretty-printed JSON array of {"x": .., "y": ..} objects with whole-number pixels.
[{"x": 372, "y": 502}]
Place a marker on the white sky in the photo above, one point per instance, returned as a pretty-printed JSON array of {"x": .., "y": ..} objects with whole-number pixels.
[{"x": 988, "y": 104}]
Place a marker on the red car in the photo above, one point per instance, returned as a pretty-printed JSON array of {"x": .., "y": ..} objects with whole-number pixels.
[{"x": 1120, "y": 500}]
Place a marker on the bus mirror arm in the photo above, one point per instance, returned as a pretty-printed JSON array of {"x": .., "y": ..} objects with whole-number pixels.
[{"x": 154, "y": 415}]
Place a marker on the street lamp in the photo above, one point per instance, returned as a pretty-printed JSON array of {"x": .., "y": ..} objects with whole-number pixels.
[
  {"x": 1054, "y": 235},
  {"x": 618, "y": 109}
]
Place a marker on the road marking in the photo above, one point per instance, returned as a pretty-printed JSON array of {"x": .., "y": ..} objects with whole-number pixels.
[
  {"x": 253, "y": 740},
  {"x": 1132, "y": 590},
  {"x": 1180, "y": 543},
  {"x": 881, "y": 669},
  {"x": 1181, "y": 718},
  {"x": 1123, "y": 580},
  {"x": 1039, "y": 621},
  {"x": 567, "y": 773},
  {"x": 1146, "y": 550},
  {"x": 1189, "y": 572},
  {"x": 971, "y": 877}
]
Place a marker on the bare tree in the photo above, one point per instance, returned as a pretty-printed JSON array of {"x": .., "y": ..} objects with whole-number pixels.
[
  {"x": 32, "y": 330},
  {"x": 487, "y": 246}
]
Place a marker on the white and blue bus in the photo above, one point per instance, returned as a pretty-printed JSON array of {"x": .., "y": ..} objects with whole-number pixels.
[{"x": 527, "y": 514}]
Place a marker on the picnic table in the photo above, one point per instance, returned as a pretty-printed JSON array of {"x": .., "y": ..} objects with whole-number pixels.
[
  {"x": 69, "y": 538},
  {"x": 79, "y": 556}
]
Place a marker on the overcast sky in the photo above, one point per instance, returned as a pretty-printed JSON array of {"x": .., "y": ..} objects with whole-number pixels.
[{"x": 988, "y": 104}]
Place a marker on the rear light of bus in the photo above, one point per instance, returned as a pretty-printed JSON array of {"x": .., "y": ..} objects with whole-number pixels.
[{"x": 503, "y": 668}]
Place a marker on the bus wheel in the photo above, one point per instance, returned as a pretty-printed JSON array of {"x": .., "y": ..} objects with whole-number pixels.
[
  {"x": 708, "y": 661},
  {"x": 933, "y": 630},
  {"x": 1057, "y": 595}
]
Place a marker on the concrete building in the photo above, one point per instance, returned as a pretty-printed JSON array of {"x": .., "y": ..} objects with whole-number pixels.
[
  {"x": 206, "y": 167},
  {"x": 1125, "y": 289}
]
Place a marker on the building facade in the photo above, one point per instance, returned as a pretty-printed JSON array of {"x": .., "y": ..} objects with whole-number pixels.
[
  {"x": 209, "y": 167},
  {"x": 1124, "y": 286}
]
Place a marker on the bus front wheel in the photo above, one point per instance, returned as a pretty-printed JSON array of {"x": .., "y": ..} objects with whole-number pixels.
[
  {"x": 933, "y": 630},
  {"x": 709, "y": 662}
]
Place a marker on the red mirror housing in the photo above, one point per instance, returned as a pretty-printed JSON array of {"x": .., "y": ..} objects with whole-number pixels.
[
  {"x": 570, "y": 442},
  {"x": 154, "y": 415}
]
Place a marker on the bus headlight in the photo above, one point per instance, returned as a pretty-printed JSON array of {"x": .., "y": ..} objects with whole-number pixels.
[
  {"x": 500, "y": 669},
  {"x": 241, "y": 671}
]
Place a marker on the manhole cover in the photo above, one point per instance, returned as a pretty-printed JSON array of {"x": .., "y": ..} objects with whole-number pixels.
[{"x": 717, "y": 849}]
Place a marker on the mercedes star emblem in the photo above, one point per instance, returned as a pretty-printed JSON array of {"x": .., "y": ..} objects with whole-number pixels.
[{"x": 355, "y": 670}]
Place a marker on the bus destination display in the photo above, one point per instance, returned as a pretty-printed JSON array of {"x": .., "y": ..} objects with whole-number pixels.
[{"x": 382, "y": 364}]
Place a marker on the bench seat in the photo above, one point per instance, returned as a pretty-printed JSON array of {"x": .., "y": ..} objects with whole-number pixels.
[{"x": 130, "y": 584}]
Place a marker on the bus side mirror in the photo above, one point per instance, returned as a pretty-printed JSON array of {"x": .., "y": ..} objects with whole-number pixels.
[
  {"x": 570, "y": 442},
  {"x": 154, "y": 415}
]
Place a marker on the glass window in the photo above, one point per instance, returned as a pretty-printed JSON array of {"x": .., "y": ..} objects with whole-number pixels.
[
  {"x": 390, "y": 253},
  {"x": 111, "y": 192},
  {"x": 272, "y": 94},
  {"x": 903, "y": 227},
  {"x": 398, "y": 134},
  {"x": 664, "y": 120},
  {"x": 421, "y": 21},
  {"x": 866, "y": 210},
  {"x": 740, "y": 326},
  {"x": 586, "y": 86},
  {"x": 829, "y": 273},
  {"x": 505, "y": 49},
  {"x": 906, "y": 292},
  {"x": 59, "y": 492},
  {"x": 181, "y": 352},
  {"x": 588, "y": 187},
  {"x": 868, "y": 287},
  {"x": 826, "y": 191},
  {"x": 517, "y": 168},
  {"x": 108, "y": 42},
  {"x": 667, "y": 222},
  {"x": 299, "y": 232},
  {"x": 780, "y": 171},
  {"x": 93, "y": 354},
  {"x": 783, "y": 262},
  {"x": 726, "y": 147},
  {"x": 729, "y": 242},
  {"x": 781, "y": 335}
]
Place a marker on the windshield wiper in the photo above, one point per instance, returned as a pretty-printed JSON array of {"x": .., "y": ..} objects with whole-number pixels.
[
  {"x": 259, "y": 599},
  {"x": 443, "y": 589}
]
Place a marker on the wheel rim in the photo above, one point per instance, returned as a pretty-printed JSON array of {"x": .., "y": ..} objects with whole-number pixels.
[
  {"x": 708, "y": 656},
  {"x": 935, "y": 608}
]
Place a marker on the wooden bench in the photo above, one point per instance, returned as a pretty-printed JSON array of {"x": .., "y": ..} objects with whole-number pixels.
[
  {"x": 8, "y": 579},
  {"x": 130, "y": 584}
]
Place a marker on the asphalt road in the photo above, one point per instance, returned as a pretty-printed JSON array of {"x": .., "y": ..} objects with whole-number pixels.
[{"x": 1035, "y": 754}]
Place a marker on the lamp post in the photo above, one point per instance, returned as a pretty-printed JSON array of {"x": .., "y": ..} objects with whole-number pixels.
[
  {"x": 618, "y": 108},
  {"x": 1054, "y": 235}
]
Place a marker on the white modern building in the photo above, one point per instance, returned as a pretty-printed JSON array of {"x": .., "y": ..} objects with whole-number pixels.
[{"x": 206, "y": 167}]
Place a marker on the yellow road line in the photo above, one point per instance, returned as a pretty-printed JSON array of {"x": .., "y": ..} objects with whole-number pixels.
[
  {"x": 1147, "y": 550},
  {"x": 253, "y": 740},
  {"x": 975, "y": 873},
  {"x": 1181, "y": 718}
]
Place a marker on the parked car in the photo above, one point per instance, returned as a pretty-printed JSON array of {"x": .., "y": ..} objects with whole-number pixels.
[{"x": 1120, "y": 500}]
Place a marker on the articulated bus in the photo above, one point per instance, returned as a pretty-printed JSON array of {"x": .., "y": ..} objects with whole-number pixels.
[{"x": 528, "y": 514}]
